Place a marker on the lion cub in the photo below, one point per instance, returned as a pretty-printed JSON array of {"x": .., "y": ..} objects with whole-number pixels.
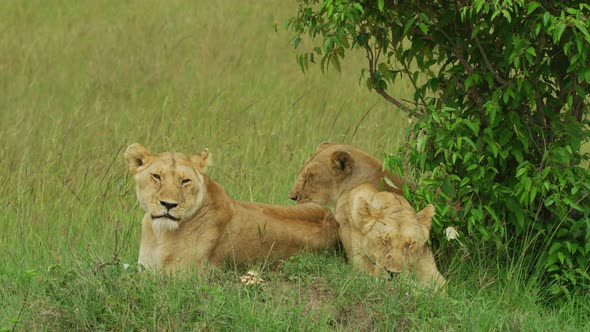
[
  {"x": 381, "y": 233},
  {"x": 337, "y": 168},
  {"x": 191, "y": 222}
]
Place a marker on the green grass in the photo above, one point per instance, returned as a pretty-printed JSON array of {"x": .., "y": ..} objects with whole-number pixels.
[{"x": 79, "y": 81}]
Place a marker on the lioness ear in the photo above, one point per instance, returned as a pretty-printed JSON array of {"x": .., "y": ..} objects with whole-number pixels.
[
  {"x": 202, "y": 160},
  {"x": 136, "y": 155},
  {"x": 341, "y": 163},
  {"x": 424, "y": 217}
]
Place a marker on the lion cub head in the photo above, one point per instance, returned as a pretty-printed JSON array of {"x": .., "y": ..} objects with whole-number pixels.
[
  {"x": 394, "y": 237},
  {"x": 170, "y": 186},
  {"x": 337, "y": 168}
]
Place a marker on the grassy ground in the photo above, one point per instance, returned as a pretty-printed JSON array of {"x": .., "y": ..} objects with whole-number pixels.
[{"x": 79, "y": 81}]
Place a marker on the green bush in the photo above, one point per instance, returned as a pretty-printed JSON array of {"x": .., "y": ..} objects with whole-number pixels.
[{"x": 499, "y": 114}]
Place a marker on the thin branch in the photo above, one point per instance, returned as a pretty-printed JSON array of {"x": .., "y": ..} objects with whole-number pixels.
[
  {"x": 397, "y": 103},
  {"x": 414, "y": 84},
  {"x": 370, "y": 58},
  {"x": 488, "y": 64},
  {"x": 461, "y": 86},
  {"x": 472, "y": 91},
  {"x": 455, "y": 51},
  {"x": 382, "y": 92}
]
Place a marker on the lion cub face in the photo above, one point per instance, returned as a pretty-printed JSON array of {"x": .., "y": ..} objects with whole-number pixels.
[
  {"x": 322, "y": 176},
  {"x": 337, "y": 168},
  {"x": 395, "y": 237},
  {"x": 170, "y": 186}
]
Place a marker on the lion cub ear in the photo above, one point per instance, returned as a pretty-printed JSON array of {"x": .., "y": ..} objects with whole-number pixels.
[
  {"x": 202, "y": 160},
  {"x": 341, "y": 163},
  {"x": 365, "y": 215},
  {"x": 424, "y": 217},
  {"x": 137, "y": 156},
  {"x": 322, "y": 146}
]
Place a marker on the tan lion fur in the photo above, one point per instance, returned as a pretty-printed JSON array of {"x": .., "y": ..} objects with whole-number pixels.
[
  {"x": 191, "y": 222},
  {"x": 336, "y": 168},
  {"x": 381, "y": 233}
]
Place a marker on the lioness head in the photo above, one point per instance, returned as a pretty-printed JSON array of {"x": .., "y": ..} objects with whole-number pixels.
[
  {"x": 395, "y": 237},
  {"x": 170, "y": 186},
  {"x": 336, "y": 168}
]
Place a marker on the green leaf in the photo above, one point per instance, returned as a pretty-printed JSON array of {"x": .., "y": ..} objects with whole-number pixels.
[
  {"x": 380, "y": 4},
  {"x": 531, "y": 6},
  {"x": 531, "y": 51},
  {"x": 559, "y": 29},
  {"x": 359, "y": 7},
  {"x": 561, "y": 257},
  {"x": 507, "y": 15},
  {"x": 537, "y": 29},
  {"x": 449, "y": 190},
  {"x": 467, "y": 156},
  {"x": 554, "y": 247},
  {"x": 521, "y": 171},
  {"x": 383, "y": 69},
  {"x": 546, "y": 18},
  {"x": 409, "y": 24},
  {"x": 296, "y": 42},
  {"x": 583, "y": 29},
  {"x": 533, "y": 195},
  {"x": 549, "y": 201},
  {"x": 423, "y": 27},
  {"x": 468, "y": 140},
  {"x": 478, "y": 6},
  {"x": 369, "y": 83},
  {"x": 301, "y": 61},
  {"x": 328, "y": 45},
  {"x": 474, "y": 126}
]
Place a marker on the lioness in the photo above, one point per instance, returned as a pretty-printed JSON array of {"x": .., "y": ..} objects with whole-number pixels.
[
  {"x": 191, "y": 222},
  {"x": 337, "y": 168},
  {"x": 380, "y": 232}
]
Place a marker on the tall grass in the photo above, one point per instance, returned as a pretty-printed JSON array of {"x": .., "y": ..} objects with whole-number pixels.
[{"x": 79, "y": 81}]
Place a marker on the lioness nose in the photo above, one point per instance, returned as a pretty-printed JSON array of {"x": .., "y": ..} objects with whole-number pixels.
[
  {"x": 169, "y": 205},
  {"x": 293, "y": 196}
]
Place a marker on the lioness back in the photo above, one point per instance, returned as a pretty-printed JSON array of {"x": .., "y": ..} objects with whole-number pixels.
[
  {"x": 191, "y": 222},
  {"x": 308, "y": 226}
]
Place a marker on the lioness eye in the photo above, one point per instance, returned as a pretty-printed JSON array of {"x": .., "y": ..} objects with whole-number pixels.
[
  {"x": 185, "y": 181},
  {"x": 156, "y": 177}
]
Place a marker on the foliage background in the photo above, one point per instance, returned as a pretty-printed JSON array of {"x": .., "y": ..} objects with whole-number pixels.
[
  {"x": 501, "y": 102},
  {"x": 79, "y": 81}
]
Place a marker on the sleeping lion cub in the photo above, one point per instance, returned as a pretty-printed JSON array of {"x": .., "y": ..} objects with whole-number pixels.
[
  {"x": 191, "y": 222},
  {"x": 337, "y": 168},
  {"x": 381, "y": 233}
]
